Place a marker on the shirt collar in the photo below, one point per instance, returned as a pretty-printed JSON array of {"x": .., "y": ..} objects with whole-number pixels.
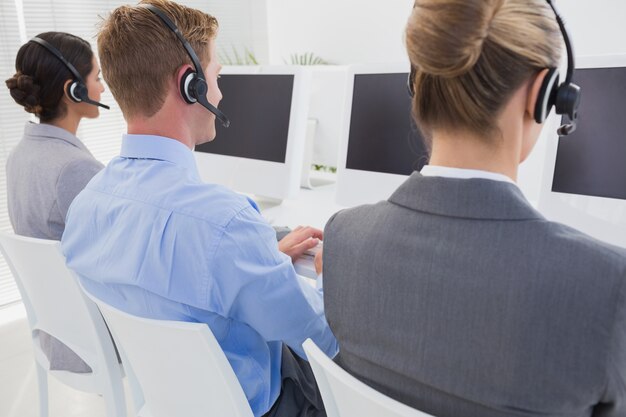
[
  {"x": 159, "y": 148},
  {"x": 461, "y": 173},
  {"x": 46, "y": 131}
]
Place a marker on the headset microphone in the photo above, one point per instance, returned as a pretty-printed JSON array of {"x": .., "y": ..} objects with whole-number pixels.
[
  {"x": 566, "y": 129},
  {"x": 79, "y": 92},
  {"x": 95, "y": 103},
  {"x": 193, "y": 86},
  {"x": 77, "y": 89}
]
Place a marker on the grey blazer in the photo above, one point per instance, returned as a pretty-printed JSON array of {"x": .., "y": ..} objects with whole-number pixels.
[
  {"x": 45, "y": 171},
  {"x": 456, "y": 297}
]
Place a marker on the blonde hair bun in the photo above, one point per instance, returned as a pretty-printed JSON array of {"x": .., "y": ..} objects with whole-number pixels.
[{"x": 451, "y": 34}]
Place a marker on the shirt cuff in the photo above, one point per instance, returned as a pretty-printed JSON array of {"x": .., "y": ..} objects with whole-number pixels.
[{"x": 319, "y": 282}]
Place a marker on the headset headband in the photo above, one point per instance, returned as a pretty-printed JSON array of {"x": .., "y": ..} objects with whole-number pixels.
[
  {"x": 201, "y": 98},
  {"x": 568, "y": 44},
  {"x": 77, "y": 91},
  {"x": 54, "y": 51},
  {"x": 181, "y": 38},
  {"x": 565, "y": 97},
  {"x": 566, "y": 39}
]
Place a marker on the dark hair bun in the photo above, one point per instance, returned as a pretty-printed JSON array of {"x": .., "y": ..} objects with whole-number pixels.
[{"x": 25, "y": 92}]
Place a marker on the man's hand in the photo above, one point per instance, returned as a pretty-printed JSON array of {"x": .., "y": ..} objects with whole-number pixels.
[{"x": 299, "y": 241}]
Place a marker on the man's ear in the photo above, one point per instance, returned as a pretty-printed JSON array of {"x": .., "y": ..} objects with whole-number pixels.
[{"x": 533, "y": 91}]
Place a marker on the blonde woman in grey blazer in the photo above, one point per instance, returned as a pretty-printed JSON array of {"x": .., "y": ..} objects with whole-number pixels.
[
  {"x": 455, "y": 296},
  {"x": 50, "y": 165}
]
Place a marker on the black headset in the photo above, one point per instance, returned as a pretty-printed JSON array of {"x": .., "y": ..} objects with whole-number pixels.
[
  {"x": 193, "y": 86},
  {"x": 564, "y": 97},
  {"x": 77, "y": 89}
]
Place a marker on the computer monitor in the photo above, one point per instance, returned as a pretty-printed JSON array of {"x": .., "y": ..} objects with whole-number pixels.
[
  {"x": 381, "y": 145},
  {"x": 584, "y": 182},
  {"x": 261, "y": 152}
]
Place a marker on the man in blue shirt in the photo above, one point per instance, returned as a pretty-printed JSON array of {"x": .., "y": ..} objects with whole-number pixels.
[{"x": 149, "y": 237}]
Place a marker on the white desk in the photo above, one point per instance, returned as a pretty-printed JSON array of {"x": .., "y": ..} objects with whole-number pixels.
[{"x": 310, "y": 208}]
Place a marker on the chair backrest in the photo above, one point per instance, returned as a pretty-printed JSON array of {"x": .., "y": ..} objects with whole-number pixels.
[
  {"x": 180, "y": 367},
  {"x": 346, "y": 396},
  {"x": 56, "y": 304}
]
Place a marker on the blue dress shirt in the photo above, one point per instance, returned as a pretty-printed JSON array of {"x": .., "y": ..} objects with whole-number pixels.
[{"x": 150, "y": 238}]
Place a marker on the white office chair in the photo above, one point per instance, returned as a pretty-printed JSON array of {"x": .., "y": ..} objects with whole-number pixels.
[
  {"x": 346, "y": 396},
  {"x": 56, "y": 305},
  {"x": 180, "y": 367}
]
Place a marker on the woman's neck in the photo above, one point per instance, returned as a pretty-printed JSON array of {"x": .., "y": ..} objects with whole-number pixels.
[
  {"x": 69, "y": 122},
  {"x": 466, "y": 151}
]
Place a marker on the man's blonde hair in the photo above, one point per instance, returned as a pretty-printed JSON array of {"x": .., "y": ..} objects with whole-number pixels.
[
  {"x": 471, "y": 55},
  {"x": 139, "y": 53}
]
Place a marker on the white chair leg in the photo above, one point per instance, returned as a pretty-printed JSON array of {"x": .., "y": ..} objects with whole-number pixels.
[
  {"x": 114, "y": 400},
  {"x": 42, "y": 383},
  {"x": 135, "y": 389}
]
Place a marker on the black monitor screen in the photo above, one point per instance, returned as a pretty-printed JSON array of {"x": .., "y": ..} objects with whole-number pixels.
[
  {"x": 383, "y": 136},
  {"x": 258, "y": 107},
  {"x": 592, "y": 160}
]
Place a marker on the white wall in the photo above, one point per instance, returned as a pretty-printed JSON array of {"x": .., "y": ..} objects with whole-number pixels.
[
  {"x": 596, "y": 26},
  {"x": 339, "y": 31},
  {"x": 243, "y": 25}
]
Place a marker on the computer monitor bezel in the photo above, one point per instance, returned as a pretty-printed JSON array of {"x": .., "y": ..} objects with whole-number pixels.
[
  {"x": 273, "y": 180},
  {"x": 355, "y": 187},
  {"x": 601, "y": 217}
]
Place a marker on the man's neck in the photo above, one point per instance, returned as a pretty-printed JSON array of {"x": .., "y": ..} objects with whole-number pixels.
[{"x": 161, "y": 125}]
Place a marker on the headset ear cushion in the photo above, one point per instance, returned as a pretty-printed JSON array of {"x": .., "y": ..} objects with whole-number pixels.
[
  {"x": 547, "y": 95},
  {"x": 568, "y": 100},
  {"x": 187, "y": 90},
  {"x": 77, "y": 91}
]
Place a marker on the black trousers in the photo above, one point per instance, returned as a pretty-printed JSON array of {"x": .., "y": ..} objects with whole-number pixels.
[{"x": 299, "y": 395}]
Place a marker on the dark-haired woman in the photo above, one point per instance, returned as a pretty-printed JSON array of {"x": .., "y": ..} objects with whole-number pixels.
[
  {"x": 50, "y": 165},
  {"x": 455, "y": 296}
]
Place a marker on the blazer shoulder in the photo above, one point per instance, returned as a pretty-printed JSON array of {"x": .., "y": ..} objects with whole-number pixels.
[
  {"x": 356, "y": 214},
  {"x": 579, "y": 244}
]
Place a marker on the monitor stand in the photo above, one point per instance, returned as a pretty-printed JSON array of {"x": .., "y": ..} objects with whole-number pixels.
[
  {"x": 319, "y": 179},
  {"x": 309, "y": 178}
]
